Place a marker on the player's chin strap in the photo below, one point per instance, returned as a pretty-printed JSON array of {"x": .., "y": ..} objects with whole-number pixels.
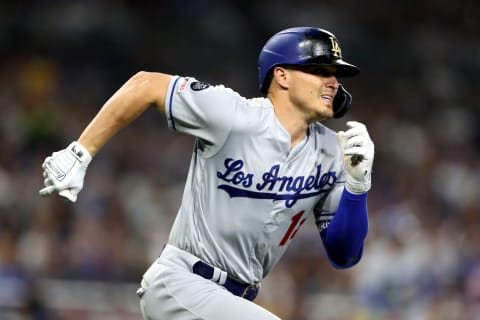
[{"x": 341, "y": 102}]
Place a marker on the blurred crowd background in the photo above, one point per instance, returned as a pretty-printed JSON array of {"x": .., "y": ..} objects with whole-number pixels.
[{"x": 418, "y": 93}]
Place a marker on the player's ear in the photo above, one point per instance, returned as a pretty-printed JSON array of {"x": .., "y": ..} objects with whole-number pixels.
[{"x": 280, "y": 77}]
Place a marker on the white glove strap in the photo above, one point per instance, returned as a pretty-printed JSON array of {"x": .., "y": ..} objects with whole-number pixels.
[
  {"x": 80, "y": 152},
  {"x": 359, "y": 187}
]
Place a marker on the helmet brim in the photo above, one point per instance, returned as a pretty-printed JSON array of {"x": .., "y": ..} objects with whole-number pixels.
[{"x": 344, "y": 69}]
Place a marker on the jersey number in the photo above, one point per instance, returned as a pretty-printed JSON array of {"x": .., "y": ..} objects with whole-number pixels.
[{"x": 294, "y": 227}]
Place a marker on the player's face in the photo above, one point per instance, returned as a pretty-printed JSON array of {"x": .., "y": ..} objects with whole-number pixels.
[{"x": 312, "y": 90}]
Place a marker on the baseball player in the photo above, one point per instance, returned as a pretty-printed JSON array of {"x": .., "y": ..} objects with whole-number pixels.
[{"x": 259, "y": 168}]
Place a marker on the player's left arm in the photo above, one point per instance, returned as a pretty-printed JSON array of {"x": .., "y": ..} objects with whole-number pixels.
[{"x": 344, "y": 237}]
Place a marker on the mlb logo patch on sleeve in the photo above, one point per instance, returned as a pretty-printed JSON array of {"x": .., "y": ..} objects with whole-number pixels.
[
  {"x": 183, "y": 84},
  {"x": 197, "y": 85}
]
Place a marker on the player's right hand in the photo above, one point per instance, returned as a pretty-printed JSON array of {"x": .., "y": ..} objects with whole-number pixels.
[{"x": 64, "y": 171}]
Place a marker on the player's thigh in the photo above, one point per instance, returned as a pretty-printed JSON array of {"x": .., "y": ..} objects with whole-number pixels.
[
  {"x": 179, "y": 295},
  {"x": 225, "y": 305}
]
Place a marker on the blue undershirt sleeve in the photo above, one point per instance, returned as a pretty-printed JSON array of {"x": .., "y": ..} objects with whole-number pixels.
[{"x": 344, "y": 236}]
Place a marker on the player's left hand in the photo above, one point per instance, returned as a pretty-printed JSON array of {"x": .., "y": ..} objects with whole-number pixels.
[
  {"x": 358, "y": 153},
  {"x": 64, "y": 171}
]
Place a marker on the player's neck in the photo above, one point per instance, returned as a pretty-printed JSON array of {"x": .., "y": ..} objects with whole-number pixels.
[{"x": 291, "y": 120}]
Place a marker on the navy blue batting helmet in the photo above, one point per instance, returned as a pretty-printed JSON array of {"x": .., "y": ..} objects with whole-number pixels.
[{"x": 307, "y": 46}]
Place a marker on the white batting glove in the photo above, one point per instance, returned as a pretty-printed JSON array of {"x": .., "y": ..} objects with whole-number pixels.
[
  {"x": 64, "y": 171},
  {"x": 358, "y": 152}
]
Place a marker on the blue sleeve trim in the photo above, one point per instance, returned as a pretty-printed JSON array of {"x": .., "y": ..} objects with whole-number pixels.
[
  {"x": 344, "y": 236},
  {"x": 353, "y": 196},
  {"x": 170, "y": 103}
]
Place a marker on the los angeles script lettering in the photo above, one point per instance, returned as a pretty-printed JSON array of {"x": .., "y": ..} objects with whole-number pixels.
[{"x": 271, "y": 180}]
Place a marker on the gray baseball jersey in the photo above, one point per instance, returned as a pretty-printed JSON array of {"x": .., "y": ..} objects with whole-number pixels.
[{"x": 247, "y": 192}]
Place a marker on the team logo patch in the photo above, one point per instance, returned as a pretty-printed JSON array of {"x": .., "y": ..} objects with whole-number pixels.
[{"x": 197, "y": 86}]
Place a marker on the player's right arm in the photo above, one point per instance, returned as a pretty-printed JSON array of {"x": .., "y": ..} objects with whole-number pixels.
[
  {"x": 141, "y": 91},
  {"x": 64, "y": 170}
]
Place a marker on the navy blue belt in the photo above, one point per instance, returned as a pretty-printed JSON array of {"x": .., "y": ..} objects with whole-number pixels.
[{"x": 247, "y": 291}]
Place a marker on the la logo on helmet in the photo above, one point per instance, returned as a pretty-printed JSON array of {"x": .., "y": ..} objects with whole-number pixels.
[{"x": 336, "y": 51}]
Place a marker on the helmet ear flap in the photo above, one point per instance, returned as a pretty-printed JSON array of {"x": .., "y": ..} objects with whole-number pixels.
[{"x": 341, "y": 102}]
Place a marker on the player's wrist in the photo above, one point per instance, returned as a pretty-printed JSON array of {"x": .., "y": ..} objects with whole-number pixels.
[
  {"x": 358, "y": 187},
  {"x": 354, "y": 196},
  {"x": 80, "y": 153}
]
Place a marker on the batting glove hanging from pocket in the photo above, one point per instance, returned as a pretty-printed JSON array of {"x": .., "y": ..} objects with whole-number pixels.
[
  {"x": 358, "y": 153},
  {"x": 64, "y": 171}
]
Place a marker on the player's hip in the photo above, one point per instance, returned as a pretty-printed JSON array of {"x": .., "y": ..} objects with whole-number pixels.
[
  {"x": 169, "y": 293},
  {"x": 170, "y": 289},
  {"x": 181, "y": 261}
]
